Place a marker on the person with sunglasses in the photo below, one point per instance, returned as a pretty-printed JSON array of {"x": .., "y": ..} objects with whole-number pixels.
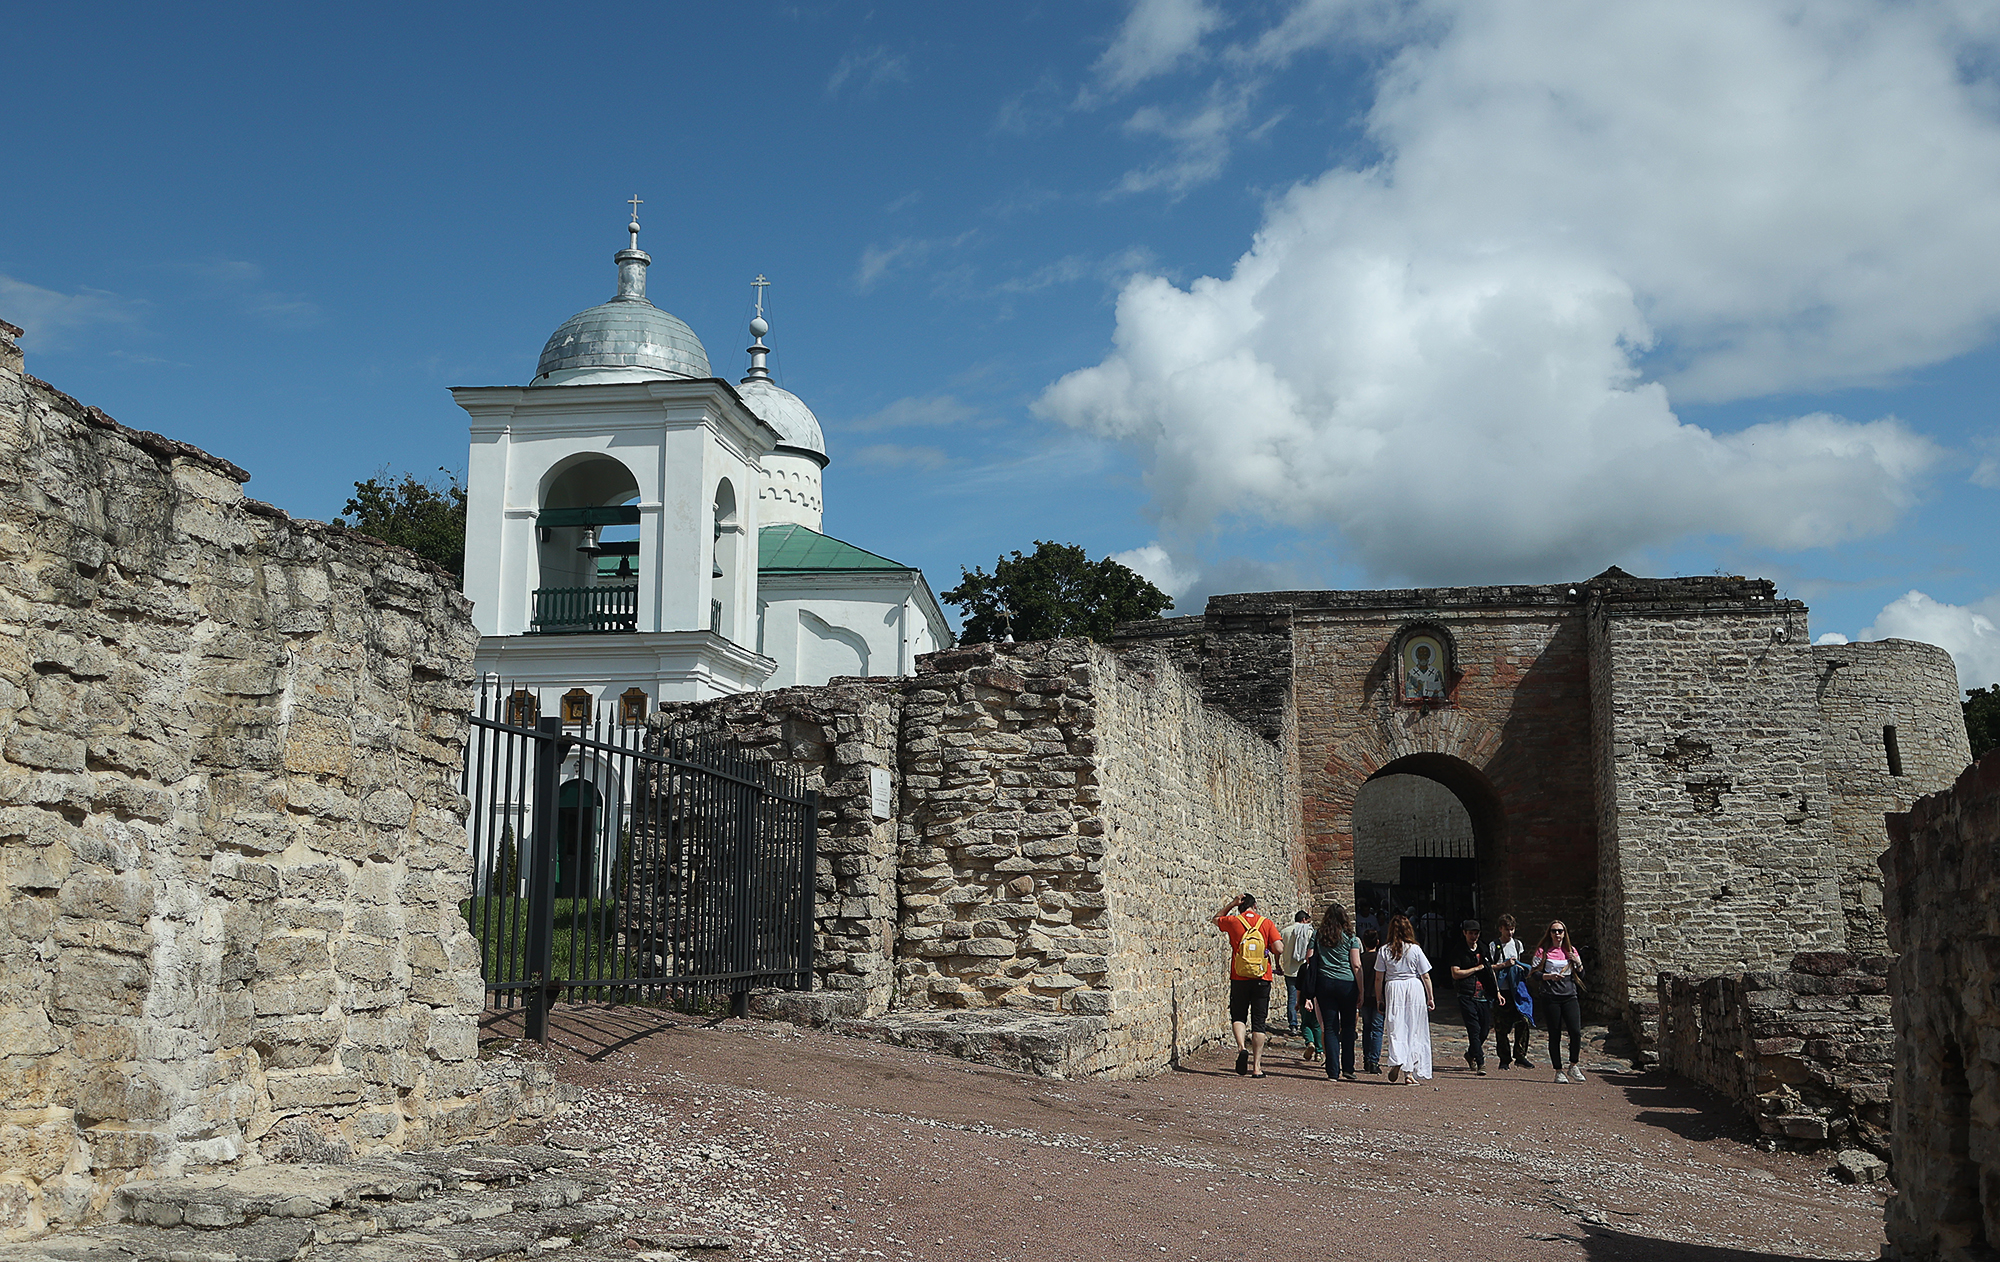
[{"x": 1560, "y": 967}]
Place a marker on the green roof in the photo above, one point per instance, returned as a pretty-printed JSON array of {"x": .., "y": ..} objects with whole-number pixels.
[{"x": 791, "y": 548}]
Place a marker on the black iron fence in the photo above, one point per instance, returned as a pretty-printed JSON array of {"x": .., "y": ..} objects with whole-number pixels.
[{"x": 616, "y": 862}]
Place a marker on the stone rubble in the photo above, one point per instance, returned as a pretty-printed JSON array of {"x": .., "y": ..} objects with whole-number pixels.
[{"x": 493, "y": 1202}]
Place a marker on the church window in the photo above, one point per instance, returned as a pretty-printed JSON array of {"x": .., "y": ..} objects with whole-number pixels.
[
  {"x": 523, "y": 709},
  {"x": 1890, "y": 747},
  {"x": 576, "y": 707}
]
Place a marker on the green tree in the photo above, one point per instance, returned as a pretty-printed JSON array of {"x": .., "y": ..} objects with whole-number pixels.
[
  {"x": 428, "y": 518},
  {"x": 1056, "y": 591},
  {"x": 1982, "y": 718}
]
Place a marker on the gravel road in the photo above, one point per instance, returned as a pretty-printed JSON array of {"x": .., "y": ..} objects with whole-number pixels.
[{"x": 802, "y": 1144}]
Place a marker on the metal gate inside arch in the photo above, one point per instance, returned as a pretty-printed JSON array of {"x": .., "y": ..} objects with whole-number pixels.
[{"x": 613, "y": 862}]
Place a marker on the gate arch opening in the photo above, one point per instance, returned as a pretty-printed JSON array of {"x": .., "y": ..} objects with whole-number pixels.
[{"x": 1426, "y": 829}]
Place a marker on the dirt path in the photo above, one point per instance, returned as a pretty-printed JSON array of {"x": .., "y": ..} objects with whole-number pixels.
[{"x": 804, "y": 1144}]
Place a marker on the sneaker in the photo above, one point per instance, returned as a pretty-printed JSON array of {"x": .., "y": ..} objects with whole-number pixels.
[
  {"x": 1561, "y": 1076},
  {"x": 1243, "y": 1063},
  {"x": 1470, "y": 1062},
  {"x": 1349, "y": 1077},
  {"x": 1576, "y": 1073},
  {"x": 1503, "y": 1064},
  {"x": 1525, "y": 1064}
]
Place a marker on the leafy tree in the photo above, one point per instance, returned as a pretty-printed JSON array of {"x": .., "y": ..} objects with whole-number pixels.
[
  {"x": 1056, "y": 591},
  {"x": 428, "y": 518},
  {"x": 1982, "y": 718}
]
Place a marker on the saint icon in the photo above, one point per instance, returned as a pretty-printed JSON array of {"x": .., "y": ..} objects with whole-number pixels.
[{"x": 1423, "y": 676}]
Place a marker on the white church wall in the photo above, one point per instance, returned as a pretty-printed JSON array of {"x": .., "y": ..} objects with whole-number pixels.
[
  {"x": 789, "y": 490},
  {"x": 822, "y": 625}
]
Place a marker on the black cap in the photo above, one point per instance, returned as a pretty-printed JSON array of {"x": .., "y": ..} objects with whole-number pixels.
[{"x": 1469, "y": 926}]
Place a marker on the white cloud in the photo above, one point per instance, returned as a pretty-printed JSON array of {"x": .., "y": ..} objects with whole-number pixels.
[
  {"x": 1986, "y": 472},
  {"x": 867, "y": 69},
  {"x": 1831, "y": 637},
  {"x": 920, "y": 410},
  {"x": 1462, "y": 357},
  {"x": 48, "y": 320},
  {"x": 1153, "y": 563},
  {"x": 1970, "y": 633},
  {"x": 1158, "y": 35}
]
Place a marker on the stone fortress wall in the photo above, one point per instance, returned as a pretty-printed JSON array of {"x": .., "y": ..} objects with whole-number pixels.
[
  {"x": 1405, "y": 815},
  {"x": 1870, "y": 696},
  {"x": 1942, "y": 905},
  {"x": 1665, "y": 763},
  {"x": 230, "y": 831},
  {"x": 1065, "y": 819}
]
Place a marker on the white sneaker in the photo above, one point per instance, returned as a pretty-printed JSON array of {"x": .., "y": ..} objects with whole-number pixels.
[
  {"x": 1561, "y": 1076},
  {"x": 1576, "y": 1073}
]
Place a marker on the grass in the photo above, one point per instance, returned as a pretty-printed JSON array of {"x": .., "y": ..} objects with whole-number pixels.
[{"x": 581, "y": 945}]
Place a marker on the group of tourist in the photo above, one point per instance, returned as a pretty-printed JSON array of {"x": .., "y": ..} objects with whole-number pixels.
[{"x": 1376, "y": 989}]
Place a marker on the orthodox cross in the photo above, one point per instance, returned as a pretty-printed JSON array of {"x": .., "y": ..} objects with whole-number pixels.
[
  {"x": 635, "y": 203},
  {"x": 760, "y": 285}
]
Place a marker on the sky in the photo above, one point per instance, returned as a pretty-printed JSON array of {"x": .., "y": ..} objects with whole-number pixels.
[{"x": 1293, "y": 294}]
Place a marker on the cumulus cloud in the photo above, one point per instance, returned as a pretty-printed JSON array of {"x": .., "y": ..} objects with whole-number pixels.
[
  {"x": 1970, "y": 633},
  {"x": 1466, "y": 356},
  {"x": 1154, "y": 564}
]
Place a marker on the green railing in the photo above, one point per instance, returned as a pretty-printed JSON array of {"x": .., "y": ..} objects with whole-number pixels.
[{"x": 568, "y": 610}]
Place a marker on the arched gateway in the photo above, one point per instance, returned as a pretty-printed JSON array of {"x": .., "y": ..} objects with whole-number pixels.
[{"x": 1667, "y": 764}]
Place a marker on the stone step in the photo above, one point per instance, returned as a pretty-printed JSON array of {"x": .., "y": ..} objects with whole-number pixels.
[{"x": 484, "y": 1204}]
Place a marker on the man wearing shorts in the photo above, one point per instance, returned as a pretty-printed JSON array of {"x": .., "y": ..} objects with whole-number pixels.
[{"x": 1253, "y": 940}]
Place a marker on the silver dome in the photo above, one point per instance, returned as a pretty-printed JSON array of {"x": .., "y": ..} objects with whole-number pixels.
[
  {"x": 625, "y": 333},
  {"x": 785, "y": 412}
]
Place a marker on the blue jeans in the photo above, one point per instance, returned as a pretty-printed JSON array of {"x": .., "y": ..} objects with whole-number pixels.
[
  {"x": 1337, "y": 1002},
  {"x": 1371, "y": 1040},
  {"x": 1291, "y": 1003}
]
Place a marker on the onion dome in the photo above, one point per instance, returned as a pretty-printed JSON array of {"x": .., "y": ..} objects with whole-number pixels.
[{"x": 625, "y": 339}]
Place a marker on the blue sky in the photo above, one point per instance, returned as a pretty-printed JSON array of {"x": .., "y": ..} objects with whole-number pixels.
[{"x": 1317, "y": 293}]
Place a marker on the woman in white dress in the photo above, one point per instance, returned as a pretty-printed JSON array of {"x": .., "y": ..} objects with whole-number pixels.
[{"x": 1403, "y": 993}]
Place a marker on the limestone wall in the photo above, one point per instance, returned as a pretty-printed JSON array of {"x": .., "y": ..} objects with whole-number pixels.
[
  {"x": 1065, "y": 820},
  {"x": 1942, "y": 900},
  {"x": 1869, "y": 694},
  {"x": 1405, "y": 815},
  {"x": 1714, "y": 833},
  {"x": 1196, "y": 807},
  {"x": 230, "y": 835},
  {"x": 842, "y": 736},
  {"x": 1805, "y": 1050}
]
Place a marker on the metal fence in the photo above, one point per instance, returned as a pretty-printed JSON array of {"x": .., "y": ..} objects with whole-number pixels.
[{"x": 613, "y": 861}]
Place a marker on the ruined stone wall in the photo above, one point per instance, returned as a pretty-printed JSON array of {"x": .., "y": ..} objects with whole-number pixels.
[
  {"x": 1942, "y": 899},
  {"x": 1805, "y": 1050},
  {"x": 230, "y": 833},
  {"x": 1871, "y": 693},
  {"x": 1066, "y": 819},
  {"x": 1713, "y": 802},
  {"x": 841, "y": 736},
  {"x": 1197, "y": 807}
]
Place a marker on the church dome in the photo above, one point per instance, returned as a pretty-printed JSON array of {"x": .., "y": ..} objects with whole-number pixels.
[
  {"x": 785, "y": 412},
  {"x": 625, "y": 339}
]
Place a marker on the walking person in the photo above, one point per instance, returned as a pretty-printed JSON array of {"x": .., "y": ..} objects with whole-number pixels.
[
  {"x": 1403, "y": 992},
  {"x": 1513, "y": 1006},
  {"x": 1334, "y": 970},
  {"x": 1298, "y": 939},
  {"x": 1560, "y": 967},
  {"x": 1472, "y": 978},
  {"x": 1253, "y": 940},
  {"x": 1371, "y": 1011}
]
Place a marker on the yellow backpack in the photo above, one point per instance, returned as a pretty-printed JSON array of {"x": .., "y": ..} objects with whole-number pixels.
[{"x": 1250, "y": 959}]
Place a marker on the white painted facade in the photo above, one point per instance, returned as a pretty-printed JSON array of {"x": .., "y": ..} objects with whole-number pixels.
[
  {"x": 816, "y": 627},
  {"x": 624, "y": 444}
]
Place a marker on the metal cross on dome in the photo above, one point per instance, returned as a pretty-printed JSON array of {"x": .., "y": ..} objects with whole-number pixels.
[
  {"x": 760, "y": 285},
  {"x": 635, "y": 203}
]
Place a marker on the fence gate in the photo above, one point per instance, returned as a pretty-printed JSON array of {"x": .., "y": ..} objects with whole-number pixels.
[{"x": 615, "y": 862}]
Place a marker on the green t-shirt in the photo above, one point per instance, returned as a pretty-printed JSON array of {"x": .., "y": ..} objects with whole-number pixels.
[{"x": 1337, "y": 965}]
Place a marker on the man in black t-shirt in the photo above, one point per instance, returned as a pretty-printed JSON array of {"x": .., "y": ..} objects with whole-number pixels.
[{"x": 1472, "y": 975}]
